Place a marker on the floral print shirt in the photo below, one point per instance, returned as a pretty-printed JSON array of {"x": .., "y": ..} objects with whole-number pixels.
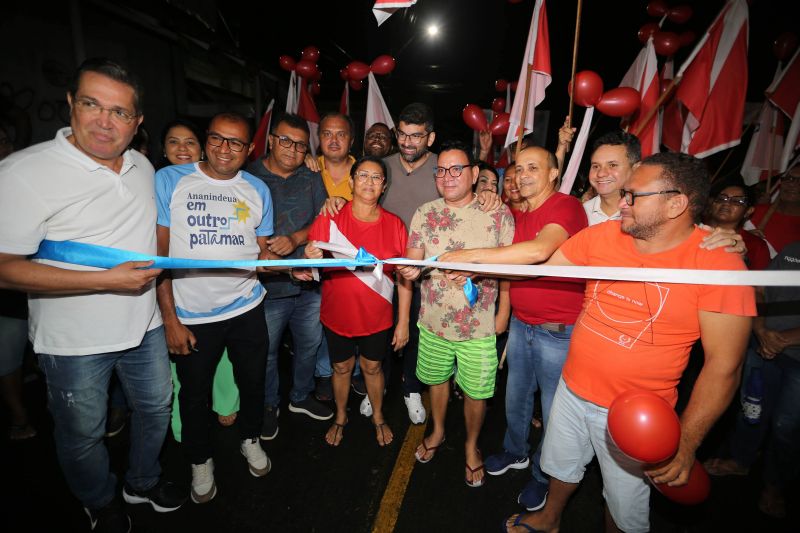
[{"x": 438, "y": 228}]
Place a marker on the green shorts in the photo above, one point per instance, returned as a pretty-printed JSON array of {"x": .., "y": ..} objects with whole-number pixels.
[{"x": 475, "y": 361}]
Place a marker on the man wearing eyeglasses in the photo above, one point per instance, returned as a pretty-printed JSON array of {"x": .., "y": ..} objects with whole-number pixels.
[
  {"x": 297, "y": 196},
  {"x": 213, "y": 210},
  {"x": 85, "y": 323},
  {"x": 638, "y": 335}
]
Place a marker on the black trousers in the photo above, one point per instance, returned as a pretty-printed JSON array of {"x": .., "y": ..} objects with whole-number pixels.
[{"x": 245, "y": 336}]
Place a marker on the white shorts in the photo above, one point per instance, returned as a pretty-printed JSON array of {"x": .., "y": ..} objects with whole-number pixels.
[{"x": 577, "y": 431}]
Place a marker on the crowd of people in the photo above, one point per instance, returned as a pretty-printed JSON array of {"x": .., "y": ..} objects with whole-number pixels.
[{"x": 164, "y": 348}]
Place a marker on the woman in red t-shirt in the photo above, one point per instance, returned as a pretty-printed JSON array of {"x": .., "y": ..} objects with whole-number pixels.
[{"x": 356, "y": 309}]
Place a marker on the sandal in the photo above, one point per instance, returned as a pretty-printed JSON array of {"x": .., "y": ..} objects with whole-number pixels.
[
  {"x": 379, "y": 428},
  {"x": 473, "y": 471},
  {"x": 518, "y": 523},
  {"x": 338, "y": 433},
  {"x": 428, "y": 449},
  {"x": 21, "y": 432},
  {"x": 227, "y": 420}
]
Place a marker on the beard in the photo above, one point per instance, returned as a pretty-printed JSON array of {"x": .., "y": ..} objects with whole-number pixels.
[
  {"x": 643, "y": 229},
  {"x": 416, "y": 156}
]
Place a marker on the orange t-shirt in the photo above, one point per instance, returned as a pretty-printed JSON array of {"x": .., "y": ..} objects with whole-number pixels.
[{"x": 637, "y": 335}]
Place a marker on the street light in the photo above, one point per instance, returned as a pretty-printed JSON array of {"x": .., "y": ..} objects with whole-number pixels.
[{"x": 433, "y": 30}]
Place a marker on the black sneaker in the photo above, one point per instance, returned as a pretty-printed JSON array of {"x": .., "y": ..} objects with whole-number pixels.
[
  {"x": 312, "y": 408},
  {"x": 115, "y": 421},
  {"x": 358, "y": 385},
  {"x": 324, "y": 389},
  {"x": 269, "y": 427},
  {"x": 109, "y": 519},
  {"x": 164, "y": 496}
]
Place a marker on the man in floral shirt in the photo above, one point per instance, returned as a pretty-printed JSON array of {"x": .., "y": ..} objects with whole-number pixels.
[{"x": 450, "y": 330}]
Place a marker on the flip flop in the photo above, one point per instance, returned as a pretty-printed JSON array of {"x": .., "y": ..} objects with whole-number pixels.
[
  {"x": 380, "y": 427},
  {"x": 339, "y": 433},
  {"x": 517, "y": 523},
  {"x": 432, "y": 449},
  {"x": 476, "y": 484}
]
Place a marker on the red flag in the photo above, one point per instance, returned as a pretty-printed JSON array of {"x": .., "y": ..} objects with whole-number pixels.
[
  {"x": 537, "y": 61},
  {"x": 383, "y": 9},
  {"x": 643, "y": 76},
  {"x": 673, "y": 114},
  {"x": 260, "y": 138},
  {"x": 785, "y": 90},
  {"x": 308, "y": 110},
  {"x": 714, "y": 84},
  {"x": 344, "y": 103}
]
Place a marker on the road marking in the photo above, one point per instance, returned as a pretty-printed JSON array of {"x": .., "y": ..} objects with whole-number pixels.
[{"x": 395, "y": 491}]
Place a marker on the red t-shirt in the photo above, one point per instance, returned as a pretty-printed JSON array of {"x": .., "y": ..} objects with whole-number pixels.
[
  {"x": 781, "y": 229},
  {"x": 354, "y": 303},
  {"x": 637, "y": 335},
  {"x": 541, "y": 300},
  {"x": 757, "y": 251}
]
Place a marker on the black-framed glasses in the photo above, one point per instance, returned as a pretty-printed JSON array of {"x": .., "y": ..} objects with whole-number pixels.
[
  {"x": 630, "y": 196},
  {"x": 415, "y": 138},
  {"x": 734, "y": 200},
  {"x": 455, "y": 171},
  {"x": 92, "y": 108},
  {"x": 286, "y": 142},
  {"x": 362, "y": 177},
  {"x": 215, "y": 139}
]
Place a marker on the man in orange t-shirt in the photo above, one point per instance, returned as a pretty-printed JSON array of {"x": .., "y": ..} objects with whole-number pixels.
[{"x": 637, "y": 335}]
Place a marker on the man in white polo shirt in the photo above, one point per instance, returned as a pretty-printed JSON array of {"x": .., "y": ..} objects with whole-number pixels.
[
  {"x": 85, "y": 323},
  {"x": 614, "y": 156}
]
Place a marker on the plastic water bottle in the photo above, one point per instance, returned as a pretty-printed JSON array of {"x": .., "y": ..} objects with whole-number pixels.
[{"x": 753, "y": 395}]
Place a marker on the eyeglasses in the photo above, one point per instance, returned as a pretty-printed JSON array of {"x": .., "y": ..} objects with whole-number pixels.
[
  {"x": 93, "y": 109},
  {"x": 631, "y": 196},
  {"x": 455, "y": 171},
  {"x": 286, "y": 142},
  {"x": 415, "y": 138},
  {"x": 340, "y": 135},
  {"x": 725, "y": 199},
  {"x": 215, "y": 139},
  {"x": 363, "y": 176},
  {"x": 377, "y": 137}
]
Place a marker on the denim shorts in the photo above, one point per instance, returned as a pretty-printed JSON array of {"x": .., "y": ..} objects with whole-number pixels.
[{"x": 577, "y": 431}]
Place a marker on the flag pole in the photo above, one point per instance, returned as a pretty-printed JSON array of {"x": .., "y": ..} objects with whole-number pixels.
[
  {"x": 661, "y": 99},
  {"x": 521, "y": 127},
  {"x": 772, "y": 127},
  {"x": 574, "y": 62}
]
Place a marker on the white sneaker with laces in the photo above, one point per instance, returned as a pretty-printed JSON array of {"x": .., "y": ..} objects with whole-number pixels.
[
  {"x": 416, "y": 411},
  {"x": 366, "y": 407},
  {"x": 257, "y": 459},
  {"x": 203, "y": 487}
]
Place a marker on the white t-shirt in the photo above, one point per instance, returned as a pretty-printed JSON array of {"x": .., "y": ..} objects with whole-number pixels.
[
  {"x": 595, "y": 213},
  {"x": 213, "y": 219},
  {"x": 54, "y": 191}
]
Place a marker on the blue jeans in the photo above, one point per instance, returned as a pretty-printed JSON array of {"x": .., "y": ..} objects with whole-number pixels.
[
  {"x": 782, "y": 456},
  {"x": 535, "y": 357},
  {"x": 301, "y": 314},
  {"x": 77, "y": 389}
]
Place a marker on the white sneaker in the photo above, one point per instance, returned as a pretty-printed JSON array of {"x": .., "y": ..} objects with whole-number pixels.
[
  {"x": 416, "y": 411},
  {"x": 257, "y": 460},
  {"x": 366, "y": 407},
  {"x": 203, "y": 487}
]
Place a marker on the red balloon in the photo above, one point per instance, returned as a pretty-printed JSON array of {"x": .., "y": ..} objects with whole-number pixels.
[
  {"x": 344, "y": 74},
  {"x": 641, "y": 423},
  {"x": 695, "y": 491},
  {"x": 501, "y": 85},
  {"x": 666, "y": 43},
  {"x": 513, "y": 85},
  {"x": 588, "y": 88},
  {"x": 474, "y": 117},
  {"x": 657, "y": 8},
  {"x": 287, "y": 63},
  {"x": 680, "y": 14},
  {"x": 646, "y": 31},
  {"x": 686, "y": 38},
  {"x": 306, "y": 69},
  {"x": 358, "y": 70},
  {"x": 310, "y": 53},
  {"x": 785, "y": 45},
  {"x": 383, "y": 64},
  {"x": 500, "y": 124},
  {"x": 356, "y": 85},
  {"x": 315, "y": 88},
  {"x": 499, "y": 104}
]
